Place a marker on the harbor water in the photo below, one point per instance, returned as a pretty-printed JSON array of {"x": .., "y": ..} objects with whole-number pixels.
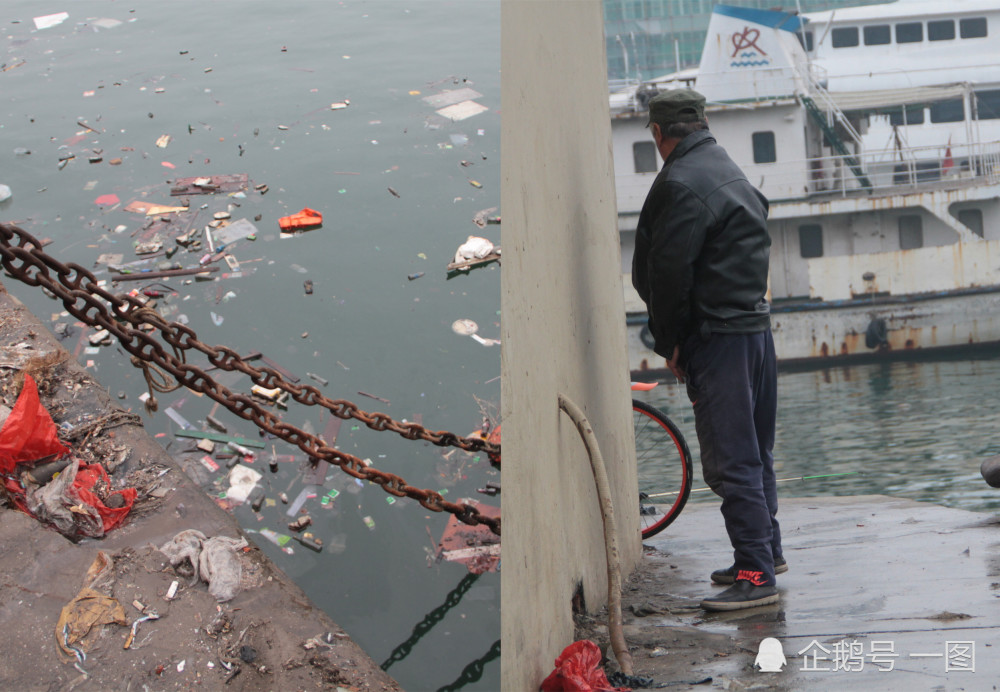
[
  {"x": 915, "y": 429},
  {"x": 325, "y": 103}
]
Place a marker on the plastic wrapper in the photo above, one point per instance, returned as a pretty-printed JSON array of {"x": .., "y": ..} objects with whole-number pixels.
[{"x": 578, "y": 669}]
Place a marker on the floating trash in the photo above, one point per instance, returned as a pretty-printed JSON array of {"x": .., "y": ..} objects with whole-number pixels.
[
  {"x": 486, "y": 342},
  {"x": 465, "y": 327},
  {"x": 304, "y": 220},
  {"x": 321, "y": 380},
  {"x": 474, "y": 247},
  {"x": 50, "y": 20}
]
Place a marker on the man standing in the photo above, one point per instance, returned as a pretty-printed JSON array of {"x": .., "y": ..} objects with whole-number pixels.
[{"x": 700, "y": 265}]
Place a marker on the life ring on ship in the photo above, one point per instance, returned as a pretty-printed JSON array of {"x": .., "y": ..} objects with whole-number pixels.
[
  {"x": 646, "y": 337},
  {"x": 877, "y": 334}
]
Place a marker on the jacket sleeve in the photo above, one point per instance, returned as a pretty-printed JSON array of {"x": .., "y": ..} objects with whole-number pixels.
[{"x": 678, "y": 229}]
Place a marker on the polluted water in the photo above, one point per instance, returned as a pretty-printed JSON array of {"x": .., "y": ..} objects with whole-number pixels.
[
  {"x": 915, "y": 429},
  {"x": 158, "y": 146}
]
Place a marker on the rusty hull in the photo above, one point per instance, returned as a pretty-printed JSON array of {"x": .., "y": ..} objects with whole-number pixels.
[{"x": 828, "y": 333}]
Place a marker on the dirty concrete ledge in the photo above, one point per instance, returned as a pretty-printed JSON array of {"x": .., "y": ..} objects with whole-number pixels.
[
  {"x": 269, "y": 637},
  {"x": 882, "y": 593}
]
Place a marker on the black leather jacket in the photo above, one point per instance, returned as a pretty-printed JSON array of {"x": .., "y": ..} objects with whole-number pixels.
[{"x": 701, "y": 247}]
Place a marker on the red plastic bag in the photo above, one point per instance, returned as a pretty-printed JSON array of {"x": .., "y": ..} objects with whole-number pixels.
[
  {"x": 28, "y": 433},
  {"x": 82, "y": 490},
  {"x": 578, "y": 669}
]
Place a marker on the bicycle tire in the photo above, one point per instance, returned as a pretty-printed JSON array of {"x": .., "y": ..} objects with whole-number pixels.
[{"x": 664, "y": 465}]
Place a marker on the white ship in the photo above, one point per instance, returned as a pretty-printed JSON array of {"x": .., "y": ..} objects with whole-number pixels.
[{"x": 875, "y": 133}]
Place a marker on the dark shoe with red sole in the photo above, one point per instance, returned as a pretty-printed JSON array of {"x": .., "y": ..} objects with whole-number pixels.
[
  {"x": 728, "y": 575},
  {"x": 741, "y": 595}
]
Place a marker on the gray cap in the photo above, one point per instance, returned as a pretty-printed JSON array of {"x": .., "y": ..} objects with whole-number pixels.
[{"x": 676, "y": 106}]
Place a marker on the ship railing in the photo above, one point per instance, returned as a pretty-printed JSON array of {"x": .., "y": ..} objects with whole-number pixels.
[
  {"x": 615, "y": 85},
  {"x": 622, "y": 97},
  {"x": 888, "y": 171},
  {"x": 816, "y": 78}
]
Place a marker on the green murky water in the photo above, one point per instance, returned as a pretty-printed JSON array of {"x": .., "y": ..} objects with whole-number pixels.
[
  {"x": 247, "y": 88},
  {"x": 916, "y": 429}
]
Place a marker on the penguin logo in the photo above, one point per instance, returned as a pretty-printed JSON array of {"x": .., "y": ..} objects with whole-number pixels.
[{"x": 770, "y": 657}]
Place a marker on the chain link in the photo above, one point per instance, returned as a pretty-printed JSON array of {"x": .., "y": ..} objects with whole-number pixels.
[
  {"x": 124, "y": 316},
  {"x": 432, "y": 618},
  {"x": 472, "y": 672}
]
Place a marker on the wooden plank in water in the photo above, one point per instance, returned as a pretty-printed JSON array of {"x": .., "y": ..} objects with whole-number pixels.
[
  {"x": 331, "y": 430},
  {"x": 469, "y": 263},
  {"x": 284, "y": 373}
]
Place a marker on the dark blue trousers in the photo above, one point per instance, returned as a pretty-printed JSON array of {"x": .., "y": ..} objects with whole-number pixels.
[{"x": 732, "y": 383}]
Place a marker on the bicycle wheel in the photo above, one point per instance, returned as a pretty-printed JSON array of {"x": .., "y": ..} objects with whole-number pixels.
[{"x": 664, "y": 468}]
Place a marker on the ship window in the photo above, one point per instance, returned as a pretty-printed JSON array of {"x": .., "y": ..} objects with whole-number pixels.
[
  {"x": 988, "y": 105},
  {"x": 950, "y": 111},
  {"x": 811, "y": 240},
  {"x": 878, "y": 35},
  {"x": 914, "y": 115},
  {"x": 806, "y": 42},
  {"x": 763, "y": 147},
  {"x": 974, "y": 27},
  {"x": 943, "y": 30},
  {"x": 973, "y": 218},
  {"x": 911, "y": 32},
  {"x": 911, "y": 232},
  {"x": 644, "y": 154},
  {"x": 846, "y": 37}
]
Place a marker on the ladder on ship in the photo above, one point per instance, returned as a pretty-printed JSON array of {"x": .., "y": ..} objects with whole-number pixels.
[{"x": 835, "y": 140}]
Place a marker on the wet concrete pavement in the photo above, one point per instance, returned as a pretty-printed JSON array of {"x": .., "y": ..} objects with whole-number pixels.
[
  {"x": 881, "y": 593},
  {"x": 268, "y": 637}
]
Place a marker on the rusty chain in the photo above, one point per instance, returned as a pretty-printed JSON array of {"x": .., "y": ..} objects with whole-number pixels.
[{"x": 21, "y": 255}]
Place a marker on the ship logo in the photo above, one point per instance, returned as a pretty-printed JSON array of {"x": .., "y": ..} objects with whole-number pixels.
[{"x": 745, "y": 46}]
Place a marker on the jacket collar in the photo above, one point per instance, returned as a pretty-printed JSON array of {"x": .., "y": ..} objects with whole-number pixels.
[{"x": 687, "y": 144}]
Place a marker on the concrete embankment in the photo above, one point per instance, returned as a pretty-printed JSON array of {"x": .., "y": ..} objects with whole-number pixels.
[
  {"x": 268, "y": 637},
  {"x": 881, "y": 594}
]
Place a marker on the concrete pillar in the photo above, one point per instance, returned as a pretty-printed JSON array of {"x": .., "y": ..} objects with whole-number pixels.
[{"x": 563, "y": 330}]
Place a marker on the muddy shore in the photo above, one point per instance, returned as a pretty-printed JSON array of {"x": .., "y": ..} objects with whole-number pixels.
[{"x": 269, "y": 636}]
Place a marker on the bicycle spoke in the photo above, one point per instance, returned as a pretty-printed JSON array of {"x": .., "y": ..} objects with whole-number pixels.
[{"x": 664, "y": 468}]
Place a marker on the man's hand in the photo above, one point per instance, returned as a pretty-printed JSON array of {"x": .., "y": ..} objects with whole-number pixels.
[{"x": 675, "y": 368}]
